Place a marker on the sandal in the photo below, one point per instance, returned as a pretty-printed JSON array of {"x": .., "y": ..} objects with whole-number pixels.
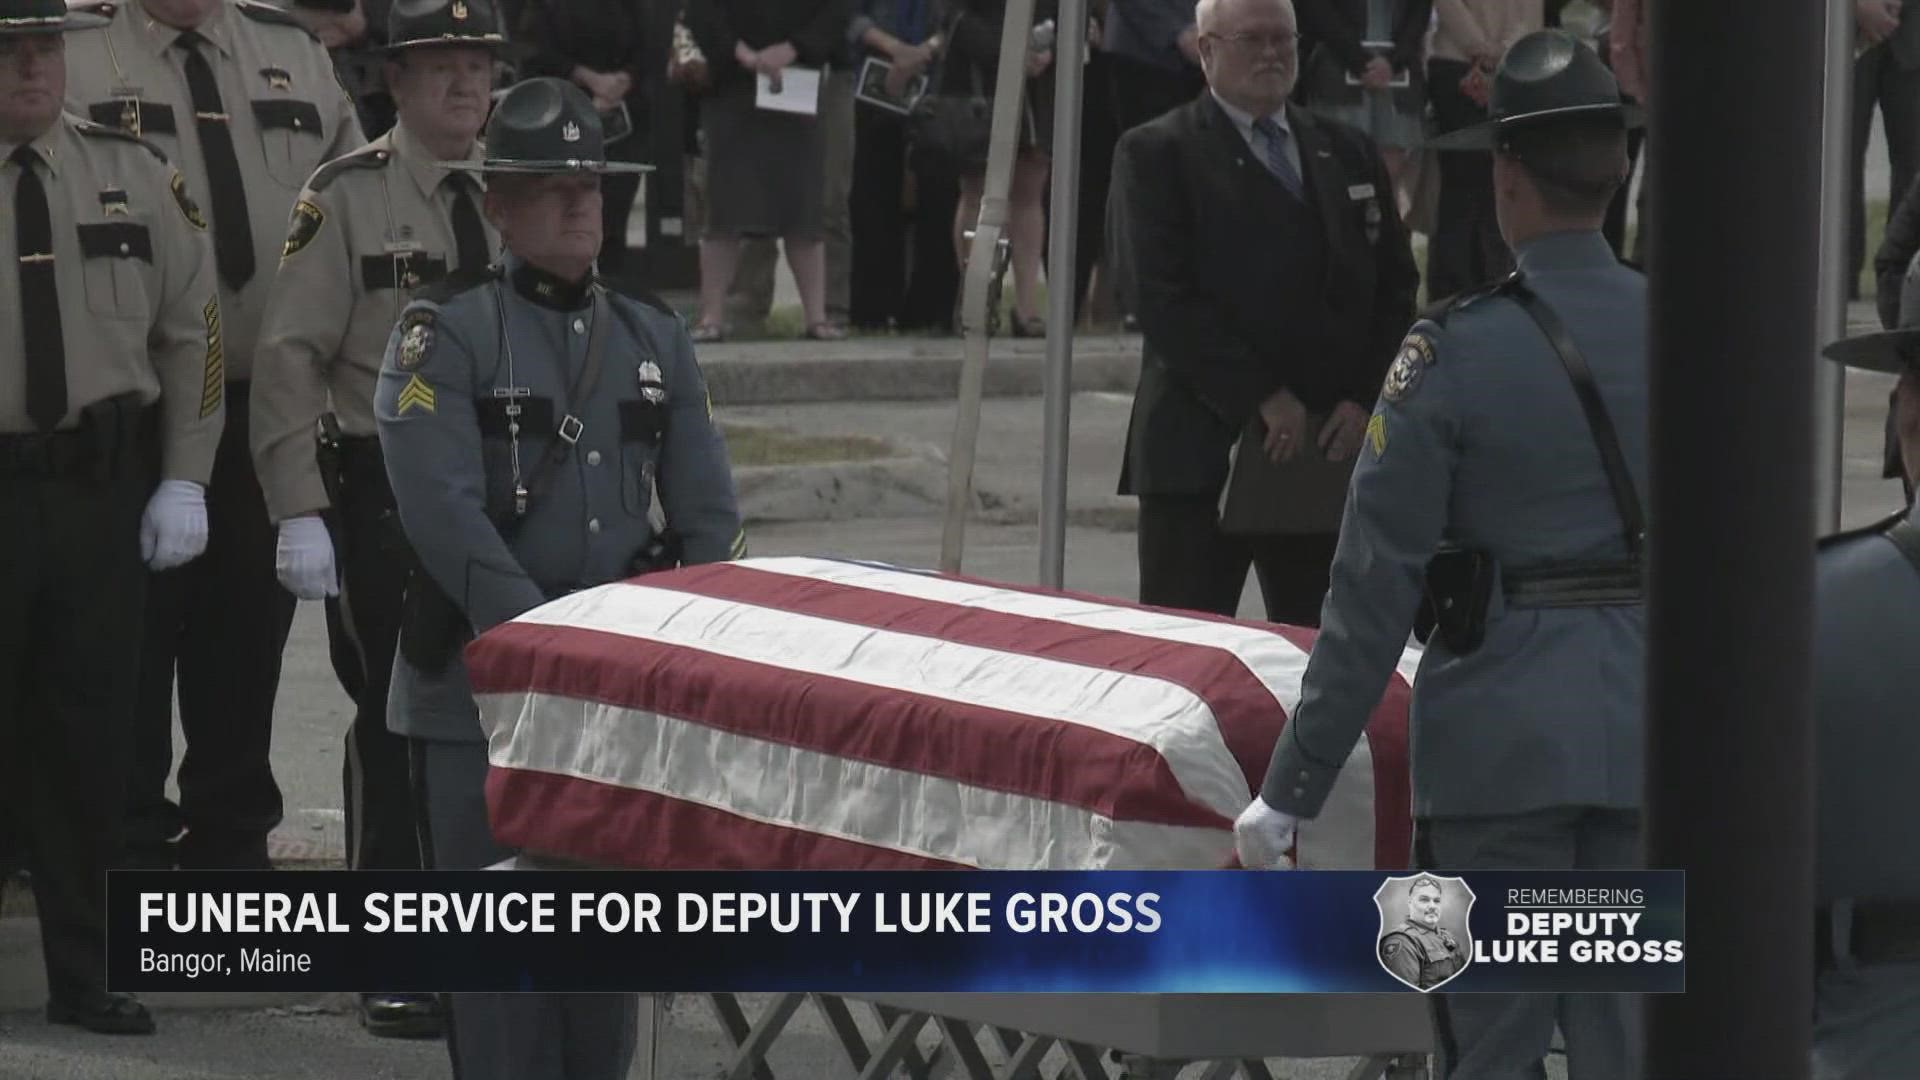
[
  {"x": 707, "y": 333},
  {"x": 826, "y": 331}
]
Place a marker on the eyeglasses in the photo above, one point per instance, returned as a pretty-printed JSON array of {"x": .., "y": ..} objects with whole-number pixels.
[{"x": 1259, "y": 43}]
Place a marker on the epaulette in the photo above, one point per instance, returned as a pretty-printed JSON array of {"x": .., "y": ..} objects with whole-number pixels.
[
  {"x": 108, "y": 131},
  {"x": 364, "y": 158},
  {"x": 633, "y": 290},
  {"x": 1438, "y": 311},
  {"x": 267, "y": 13},
  {"x": 446, "y": 288},
  {"x": 1875, "y": 529}
]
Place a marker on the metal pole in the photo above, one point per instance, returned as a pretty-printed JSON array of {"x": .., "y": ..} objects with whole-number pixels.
[
  {"x": 1836, "y": 177},
  {"x": 1734, "y": 153},
  {"x": 1069, "y": 63},
  {"x": 982, "y": 264}
]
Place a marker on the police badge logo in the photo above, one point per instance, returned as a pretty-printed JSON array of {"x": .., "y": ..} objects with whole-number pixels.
[
  {"x": 652, "y": 383},
  {"x": 1416, "y": 356},
  {"x": 570, "y": 132},
  {"x": 416, "y": 340},
  {"x": 1423, "y": 940},
  {"x": 307, "y": 219},
  {"x": 459, "y": 11}
]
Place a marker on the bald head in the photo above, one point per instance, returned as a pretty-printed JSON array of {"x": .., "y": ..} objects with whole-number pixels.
[{"x": 1250, "y": 52}]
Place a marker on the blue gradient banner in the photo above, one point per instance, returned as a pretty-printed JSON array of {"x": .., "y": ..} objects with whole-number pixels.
[{"x": 1224, "y": 931}]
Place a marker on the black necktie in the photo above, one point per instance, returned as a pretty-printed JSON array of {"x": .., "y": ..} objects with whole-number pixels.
[
  {"x": 469, "y": 236},
  {"x": 39, "y": 297},
  {"x": 232, "y": 228}
]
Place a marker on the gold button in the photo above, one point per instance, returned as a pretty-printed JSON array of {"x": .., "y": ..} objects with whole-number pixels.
[{"x": 593, "y": 457}]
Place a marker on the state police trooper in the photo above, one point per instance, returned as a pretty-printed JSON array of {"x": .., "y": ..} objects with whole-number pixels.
[
  {"x": 528, "y": 414},
  {"x": 1511, "y": 433},
  {"x": 245, "y": 103},
  {"x": 1866, "y": 873},
  {"x": 110, "y": 356},
  {"x": 369, "y": 230}
]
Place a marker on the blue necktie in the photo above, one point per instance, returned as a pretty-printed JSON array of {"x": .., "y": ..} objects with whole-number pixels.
[{"x": 1278, "y": 163}]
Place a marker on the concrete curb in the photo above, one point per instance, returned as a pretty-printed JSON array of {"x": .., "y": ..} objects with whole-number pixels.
[{"x": 901, "y": 369}]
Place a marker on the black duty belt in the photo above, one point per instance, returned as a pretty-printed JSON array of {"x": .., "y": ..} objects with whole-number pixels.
[
  {"x": 1880, "y": 932},
  {"x": 1593, "y": 584},
  {"x": 58, "y": 453}
]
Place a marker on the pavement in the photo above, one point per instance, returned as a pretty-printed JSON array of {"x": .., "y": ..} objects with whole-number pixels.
[{"x": 895, "y": 389}]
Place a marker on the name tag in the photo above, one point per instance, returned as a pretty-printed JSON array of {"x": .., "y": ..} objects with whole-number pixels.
[
  {"x": 1356, "y": 192},
  {"x": 403, "y": 247}
]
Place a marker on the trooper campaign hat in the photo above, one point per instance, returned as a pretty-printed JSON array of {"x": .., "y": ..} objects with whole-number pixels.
[
  {"x": 545, "y": 126},
  {"x": 1546, "y": 76},
  {"x": 417, "y": 24},
  {"x": 1890, "y": 351},
  {"x": 19, "y": 17}
]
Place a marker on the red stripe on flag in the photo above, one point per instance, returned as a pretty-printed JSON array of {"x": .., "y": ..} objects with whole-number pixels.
[
  {"x": 610, "y": 826},
  {"x": 975, "y": 745},
  {"x": 1246, "y": 714}
]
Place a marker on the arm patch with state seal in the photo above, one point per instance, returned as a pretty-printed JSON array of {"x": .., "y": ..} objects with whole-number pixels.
[
  {"x": 188, "y": 208},
  {"x": 1409, "y": 365},
  {"x": 307, "y": 219},
  {"x": 416, "y": 341}
]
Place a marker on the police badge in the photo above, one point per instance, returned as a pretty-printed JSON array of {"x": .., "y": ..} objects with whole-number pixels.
[
  {"x": 416, "y": 338},
  {"x": 652, "y": 383},
  {"x": 1424, "y": 939}
]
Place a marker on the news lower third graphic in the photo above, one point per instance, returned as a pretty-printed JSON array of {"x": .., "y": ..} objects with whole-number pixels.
[{"x": 1211, "y": 931}]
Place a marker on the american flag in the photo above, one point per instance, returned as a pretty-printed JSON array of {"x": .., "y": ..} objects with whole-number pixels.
[{"x": 808, "y": 713}]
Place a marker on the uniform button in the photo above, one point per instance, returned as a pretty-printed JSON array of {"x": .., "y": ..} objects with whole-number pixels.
[
  {"x": 593, "y": 457},
  {"x": 125, "y": 249},
  {"x": 579, "y": 326},
  {"x": 1299, "y": 793},
  {"x": 593, "y": 525}
]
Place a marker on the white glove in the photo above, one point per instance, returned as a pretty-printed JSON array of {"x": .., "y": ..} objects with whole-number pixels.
[
  {"x": 303, "y": 559},
  {"x": 173, "y": 530},
  {"x": 1263, "y": 836}
]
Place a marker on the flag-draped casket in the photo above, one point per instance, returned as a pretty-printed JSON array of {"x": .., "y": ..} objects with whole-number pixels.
[{"x": 804, "y": 713}]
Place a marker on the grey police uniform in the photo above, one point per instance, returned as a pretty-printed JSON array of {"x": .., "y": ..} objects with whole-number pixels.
[
  {"x": 1527, "y": 749},
  {"x": 1867, "y": 883},
  {"x": 247, "y": 107},
  {"x": 1867, "y": 888},
  {"x": 512, "y": 493},
  {"x": 445, "y": 434}
]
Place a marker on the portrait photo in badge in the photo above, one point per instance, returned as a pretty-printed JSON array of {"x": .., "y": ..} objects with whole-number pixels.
[{"x": 1423, "y": 939}]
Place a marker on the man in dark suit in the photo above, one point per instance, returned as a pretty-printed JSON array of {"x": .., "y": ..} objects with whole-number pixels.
[
  {"x": 1885, "y": 73},
  {"x": 1272, "y": 279}
]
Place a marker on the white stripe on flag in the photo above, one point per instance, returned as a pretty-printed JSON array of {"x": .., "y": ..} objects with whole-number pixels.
[
  {"x": 924, "y": 815},
  {"x": 1170, "y": 719}
]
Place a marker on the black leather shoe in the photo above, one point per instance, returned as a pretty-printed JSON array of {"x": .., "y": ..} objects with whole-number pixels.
[
  {"x": 108, "y": 1014},
  {"x": 402, "y": 1016}
]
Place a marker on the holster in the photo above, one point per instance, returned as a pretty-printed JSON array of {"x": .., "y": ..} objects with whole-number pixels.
[
  {"x": 432, "y": 627},
  {"x": 1458, "y": 595}
]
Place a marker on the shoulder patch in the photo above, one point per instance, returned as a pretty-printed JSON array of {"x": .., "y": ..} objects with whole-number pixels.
[
  {"x": 364, "y": 158},
  {"x": 416, "y": 340},
  {"x": 188, "y": 208},
  {"x": 304, "y": 226},
  {"x": 633, "y": 290},
  {"x": 1410, "y": 365},
  {"x": 462, "y": 280},
  {"x": 267, "y": 13},
  {"x": 107, "y": 131}
]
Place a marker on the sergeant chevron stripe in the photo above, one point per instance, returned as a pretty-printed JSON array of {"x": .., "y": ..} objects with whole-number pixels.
[{"x": 415, "y": 395}]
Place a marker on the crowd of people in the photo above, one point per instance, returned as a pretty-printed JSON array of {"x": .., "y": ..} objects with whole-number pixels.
[{"x": 260, "y": 250}]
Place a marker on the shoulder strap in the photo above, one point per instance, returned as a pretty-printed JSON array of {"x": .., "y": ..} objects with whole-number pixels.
[
  {"x": 567, "y": 431},
  {"x": 1625, "y": 499},
  {"x": 1906, "y": 536}
]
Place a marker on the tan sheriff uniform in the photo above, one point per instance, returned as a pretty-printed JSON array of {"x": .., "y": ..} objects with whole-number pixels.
[
  {"x": 285, "y": 109},
  {"x": 138, "y": 311},
  {"x": 370, "y": 229}
]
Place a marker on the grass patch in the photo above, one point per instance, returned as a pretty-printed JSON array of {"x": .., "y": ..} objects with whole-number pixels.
[{"x": 751, "y": 445}]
